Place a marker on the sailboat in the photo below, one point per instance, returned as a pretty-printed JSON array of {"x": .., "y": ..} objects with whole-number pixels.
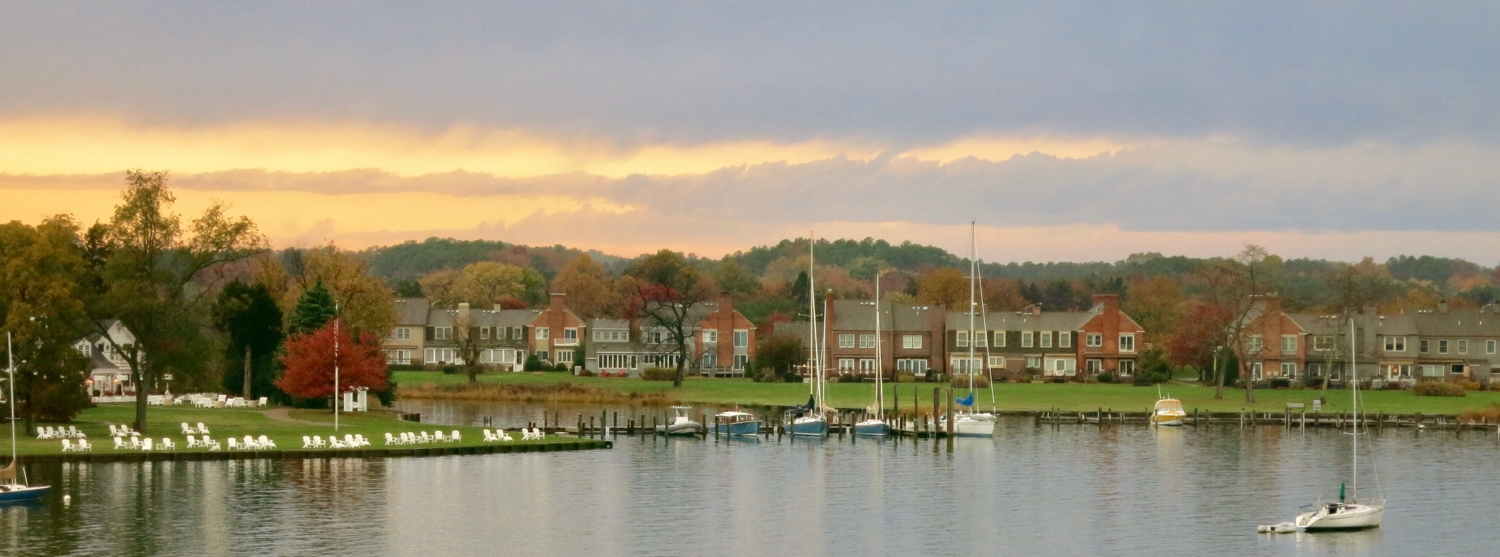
[
  {"x": 10, "y": 489},
  {"x": 1350, "y": 514},
  {"x": 876, "y": 426},
  {"x": 968, "y": 422},
  {"x": 810, "y": 419}
]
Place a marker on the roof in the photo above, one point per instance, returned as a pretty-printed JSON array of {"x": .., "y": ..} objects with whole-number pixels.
[
  {"x": 1022, "y": 321},
  {"x": 609, "y": 324},
  {"x": 412, "y": 311},
  {"x": 102, "y": 363},
  {"x": 859, "y": 315},
  {"x": 1457, "y": 323}
]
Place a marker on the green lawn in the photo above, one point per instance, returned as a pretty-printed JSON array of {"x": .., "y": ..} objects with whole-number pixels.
[
  {"x": 165, "y": 421},
  {"x": 1007, "y": 396}
]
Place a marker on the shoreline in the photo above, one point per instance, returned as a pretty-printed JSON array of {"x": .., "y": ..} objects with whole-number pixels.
[{"x": 572, "y": 444}]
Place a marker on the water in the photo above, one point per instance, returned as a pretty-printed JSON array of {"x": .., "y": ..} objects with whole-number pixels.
[{"x": 1049, "y": 490}]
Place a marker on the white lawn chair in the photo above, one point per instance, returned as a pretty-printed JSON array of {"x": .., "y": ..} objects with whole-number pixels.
[
  {"x": 83, "y": 445},
  {"x": 234, "y": 444},
  {"x": 527, "y": 435},
  {"x": 188, "y": 430},
  {"x": 113, "y": 432},
  {"x": 503, "y": 436},
  {"x": 390, "y": 439},
  {"x": 267, "y": 443},
  {"x": 192, "y": 442},
  {"x": 43, "y": 433},
  {"x": 363, "y": 442},
  {"x": 334, "y": 443},
  {"x": 307, "y": 442},
  {"x": 120, "y": 444},
  {"x": 146, "y": 444},
  {"x": 540, "y": 435},
  {"x": 67, "y": 446},
  {"x": 202, "y": 428},
  {"x": 407, "y": 438},
  {"x": 77, "y": 434},
  {"x": 425, "y": 438},
  {"x": 250, "y": 444},
  {"x": 135, "y": 442},
  {"x": 210, "y": 443},
  {"x": 168, "y": 445},
  {"x": 263, "y": 402},
  {"x": 489, "y": 437},
  {"x": 438, "y": 436},
  {"x": 456, "y": 437}
]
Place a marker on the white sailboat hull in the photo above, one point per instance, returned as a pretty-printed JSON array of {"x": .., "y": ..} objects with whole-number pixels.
[
  {"x": 1342, "y": 517},
  {"x": 971, "y": 425}
]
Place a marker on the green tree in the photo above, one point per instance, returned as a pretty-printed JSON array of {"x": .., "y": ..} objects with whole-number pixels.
[
  {"x": 41, "y": 272},
  {"x": 667, "y": 291},
  {"x": 589, "y": 287},
  {"x": 156, "y": 277},
  {"x": 777, "y": 354},
  {"x": 315, "y": 308},
  {"x": 249, "y": 316},
  {"x": 733, "y": 277}
]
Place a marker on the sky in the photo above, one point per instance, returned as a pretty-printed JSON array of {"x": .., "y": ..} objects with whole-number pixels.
[{"x": 1066, "y": 131}]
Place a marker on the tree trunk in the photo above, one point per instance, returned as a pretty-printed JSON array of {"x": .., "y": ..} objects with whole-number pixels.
[
  {"x": 141, "y": 381},
  {"x": 1219, "y": 375},
  {"x": 247, "y": 372},
  {"x": 681, "y": 361},
  {"x": 473, "y": 371},
  {"x": 1249, "y": 382}
]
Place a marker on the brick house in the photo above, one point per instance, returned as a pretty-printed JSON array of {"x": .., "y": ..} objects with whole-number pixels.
[
  {"x": 1069, "y": 344},
  {"x": 1274, "y": 345},
  {"x": 1112, "y": 340},
  {"x": 909, "y": 337},
  {"x": 721, "y": 341},
  {"x": 556, "y": 334},
  {"x": 724, "y": 337}
]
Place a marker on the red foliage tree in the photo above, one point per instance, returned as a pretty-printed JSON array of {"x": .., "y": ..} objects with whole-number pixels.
[
  {"x": 1198, "y": 333},
  {"x": 309, "y": 363}
]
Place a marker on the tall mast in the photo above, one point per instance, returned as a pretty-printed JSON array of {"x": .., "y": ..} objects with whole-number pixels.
[
  {"x": 10, "y": 355},
  {"x": 814, "y": 356},
  {"x": 879, "y": 362},
  {"x": 1354, "y": 363},
  {"x": 973, "y": 253}
]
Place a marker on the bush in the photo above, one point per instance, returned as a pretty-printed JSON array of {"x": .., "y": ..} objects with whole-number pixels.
[
  {"x": 562, "y": 366},
  {"x": 1468, "y": 385},
  {"x": 450, "y": 369},
  {"x": 659, "y": 374},
  {"x": 1313, "y": 382},
  {"x": 586, "y": 373},
  {"x": 962, "y": 381},
  {"x": 1280, "y": 383},
  {"x": 1105, "y": 378},
  {"x": 906, "y": 377},
  {"x": 850, "y": 378},
  {"x": 533, "y": 363},
  {"x": 1437, "y": 388},
  {"x": 1489, "y": 414}
]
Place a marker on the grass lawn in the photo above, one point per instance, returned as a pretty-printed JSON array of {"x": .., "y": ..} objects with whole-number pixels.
[
  {"x": 165, "y": 421},
  {"x": 1008, "y": 396}
]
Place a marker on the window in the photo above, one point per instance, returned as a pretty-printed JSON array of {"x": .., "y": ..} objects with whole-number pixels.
[
  {"x": 1127, "y": 367},
  {"x": 1489, "y": 347},
  {"x": 1000, "y": 339},
  {"x": 710, "y": 337},
  {"x": 846, "y": 365},
  {"x": 430, "y": 356},
  {"x": 1396, "y": 344},
  {"x": 398, "y": 357},
  {"x": 1442, "y": 347},
  {"x": 997, "y": 361},
  {"x": 981, "y": 338},
  {"x": 1254, "y": 344},
  {"x": 742, "y": 339},
  {"x": 1422, "y": 346},
  {"x": 911, "y": 342},
  {"x": 846, "y": 340},
  {"x": 1033, "y": 362},
  {"x": 1399, "y": 371},
  {"x": 1094, "y": 340},
  {"x": 1026, "y": 339},
  {"x": 867, "y": 365},
  {"x": 484, "y": 333},
  {"x": 1059, "y": 366},
  {"x": 915, "y": 366},
  {"x": 570, "y": 335},
  {"x": 543, "y": 355},
  {"x": 1323, "y": 343},
  {"x": 710, "y": 360},
  {"x": 962, "y": 366},
  {"x": 1432, "y": 371},
  {"x": 1064, "y": 339},
  {"x": 542, "y": 333},
  {"x": 1093, "y": 365},
  {"x": 1256, "y": 370},
  {"x": 515, "y": 333},
  {"x": 1127, "y": 342},
  {"x": 611, "y": 336},
  {"x": 616, "y": 361},
  {"x": 442, "y": 333},
  {"x": 1463, "y": 347},
  {"x": 564, "y": 356},
  {"x": 656, "y": 336},
  {"x": 1288, "y": 344},
  {"x": 403, "y": 333},
  {"x": 961, "y": 339},
  {"x": 866, "y": 341},
  {"x": 1288, "y": 369},
  {"x": 741, "y": 360},
  {"x": 1046, "y": 339}
]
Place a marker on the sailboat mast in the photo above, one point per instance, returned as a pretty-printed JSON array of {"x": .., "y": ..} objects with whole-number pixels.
[
  {"x": 10, "y": 355},
  {"x": 1354, "y": 363},
  {"x": 812, "y": 322},
  {"x": 973, "y": 253},
  {"x": 879, "y": 362}
]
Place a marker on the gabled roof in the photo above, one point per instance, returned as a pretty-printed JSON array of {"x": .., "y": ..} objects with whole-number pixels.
[
  {"x": 609, "y": 324},
  {"x": 1467, "y": 322},
  {"x": 859, "y": 315},
  {"x": 1022, "y": 321},
  {"x": 412, "y": 311}
]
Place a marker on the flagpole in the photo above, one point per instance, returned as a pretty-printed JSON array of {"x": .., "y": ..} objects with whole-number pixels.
[{"x": 336, "y": 392}]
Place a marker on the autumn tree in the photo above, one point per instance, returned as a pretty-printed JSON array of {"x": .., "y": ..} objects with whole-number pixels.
[
  {"x": 590, "y": 289},
  {"x": 248, "y": 315},
  {"x": 470, "y": 343},
  {"x": 1155, "y": 304},
  {"x": 485, "y": 283},
  {"x": 310, "y": 360},
  {"x": 157, "y": 276},
  {"x": 732, "y": 277},
  {"x": 1197, "y": 335},
  {"x": 944, "y": 286},
  {"x": 365, "y": 301},
  {"x": 1235, "y": 287},
  {"x": 41, "y": 305},
  {"x": 667, "y": 289},
  {"x": 776, "y": 355},
  {"x": 1002, "y": 294}
]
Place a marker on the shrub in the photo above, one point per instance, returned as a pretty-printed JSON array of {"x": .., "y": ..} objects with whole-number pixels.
[
  {"x": 659, "y": 374},
  {"x": 1280, "y": 383},
  {"x": 962, "y": 381},
  {"x": 533, "y": 363},
  {"x": 1313, "y": 382},
  {"x": 1468, "y": 385},
  {"x": 1489, "y": 414},
  {"x": 561, "y": 366},
  {"x": 849, "y": 378},
  {"x": 450, "y": 369},
  {"x": 585, "y": 373},
  {"x": 906, "y": 377},
  {"x": 1437, "y": 388},
  {"x": 1105, "y": 378}
]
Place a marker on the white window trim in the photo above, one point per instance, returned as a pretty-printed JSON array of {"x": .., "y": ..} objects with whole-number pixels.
[
  {"x": 1064, "y": 339},
  {"x": 542, "y": 333},
  {"x": 1094, "y": 340},
  {"x": 999, "y": 339},
  {"x": 961, "y": 339},
  {"x": 1046, "y": 339},
  {"x": 846, "y": 340},
  {"x": 1028, "y": 339},
  {"x": 1131, "y": 337}
]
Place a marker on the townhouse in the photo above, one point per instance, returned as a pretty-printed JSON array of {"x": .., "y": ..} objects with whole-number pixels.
[
  {"x": 1069, "y": 345},
  {"x": 909, "y": 335},
  {"x": 721, "y": 342}
]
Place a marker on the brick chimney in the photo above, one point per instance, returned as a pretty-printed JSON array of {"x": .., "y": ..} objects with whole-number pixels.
[
  {"x": 463, "y": 313},
  {"x": 726, "y": 302},
  {"x": 1036, "y": 309},
  {"x": 828, "y": 311},
  {"x": 1111, "y": 303},
  {"x": 1442, "y": 306},
  {"x": 1271, "y": 304},
  {"x": 556, "y": 302}
]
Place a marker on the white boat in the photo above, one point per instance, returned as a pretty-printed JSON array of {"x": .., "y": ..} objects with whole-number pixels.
[
  {"x": 876, "y": 426},
  {"x": 812, "y": 420},
  {"x": 682, "y": 423},
  {"x": 1346, "y": 514},
  {"x": 13, "y": 489},
  {"x": 1168, "y": 411},
  {"x": 970, "y": 422}
]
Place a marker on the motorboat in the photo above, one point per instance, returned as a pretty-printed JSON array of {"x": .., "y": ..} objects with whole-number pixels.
[
  {"x": 1168, "y": 411},
  {"x": 735, "y": 422},
  {"x": 12, "y": 490},
  {"x": 682, "y": 423}
]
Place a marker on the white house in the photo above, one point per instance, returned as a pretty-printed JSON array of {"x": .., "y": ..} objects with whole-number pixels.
[{"x": 109, "y": 374}]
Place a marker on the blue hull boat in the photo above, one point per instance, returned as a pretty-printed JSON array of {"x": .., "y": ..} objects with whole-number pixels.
[
  {"x": 751, "y": 428},
  {"x": 810, "y": 426},
  {"x": 872, "y": 428},
  {"x": 14, "y": 493}
]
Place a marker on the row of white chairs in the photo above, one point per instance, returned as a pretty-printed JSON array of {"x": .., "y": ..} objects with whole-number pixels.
[
  {"x": 222, "y": 401},
  {"x": 143, "y": 444},
  {"x": 121, "y": 431},
  {"x": 82, "y": 446},
  {"x": 498, "y": 435},
  {"x": 251, "y": 444},
  {"x": 190, "y": 430},
  {"x": 47, "y": 432},
  {"x": 422, "y": 438},
  {"x": 533, "y": 434},
  {"x": 206, "y": 443},
  {"x": 350, "y": 441}
]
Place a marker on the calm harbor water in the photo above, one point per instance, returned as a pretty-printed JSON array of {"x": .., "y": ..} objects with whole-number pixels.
[{"x": 1048, "y": 490}]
